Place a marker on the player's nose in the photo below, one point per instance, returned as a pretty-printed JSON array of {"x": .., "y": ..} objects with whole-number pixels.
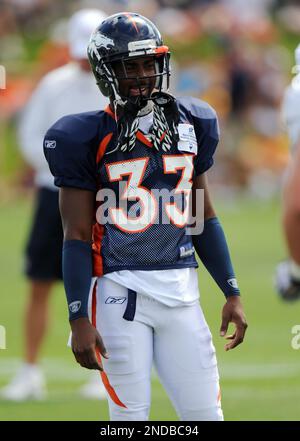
[{"x": 140, "y": 70}]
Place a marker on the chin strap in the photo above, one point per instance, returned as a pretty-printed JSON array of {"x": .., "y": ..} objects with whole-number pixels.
[{"x": 164, "y": 131}]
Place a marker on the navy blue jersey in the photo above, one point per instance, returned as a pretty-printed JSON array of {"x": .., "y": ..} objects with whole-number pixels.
[{"x": 150, "y": 233}]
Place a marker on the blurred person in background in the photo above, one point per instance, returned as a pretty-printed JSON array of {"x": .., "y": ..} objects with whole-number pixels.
[
  {"x": 68, "y": 89},
  {"x": 288, "y": 271}
]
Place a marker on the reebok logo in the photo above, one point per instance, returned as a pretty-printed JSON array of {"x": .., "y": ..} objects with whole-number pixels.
[
  {"x": 184, "y": 252},
  {"x": 115, "y": 300},
  {"x": 50, "y": 144}
]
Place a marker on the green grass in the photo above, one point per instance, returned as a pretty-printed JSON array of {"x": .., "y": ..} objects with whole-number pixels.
[{"x": 259, "y": 380}]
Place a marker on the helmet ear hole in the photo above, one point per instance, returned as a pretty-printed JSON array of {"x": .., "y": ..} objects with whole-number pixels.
[{"x": 105, "y": 88}]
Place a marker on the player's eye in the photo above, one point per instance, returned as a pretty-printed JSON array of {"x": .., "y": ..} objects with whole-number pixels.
[
  {"x": 130, "y": 66},
  {"x": 150, "y": 65}
]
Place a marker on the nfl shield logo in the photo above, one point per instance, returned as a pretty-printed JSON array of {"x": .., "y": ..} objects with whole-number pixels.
[{"x": 75, "y": 306}]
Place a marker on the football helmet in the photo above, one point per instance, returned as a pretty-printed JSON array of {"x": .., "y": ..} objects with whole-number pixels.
[{"x": 122, "y": 37}]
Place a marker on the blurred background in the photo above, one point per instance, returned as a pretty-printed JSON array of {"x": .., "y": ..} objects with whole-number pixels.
[{"x": 238, "y": 56}]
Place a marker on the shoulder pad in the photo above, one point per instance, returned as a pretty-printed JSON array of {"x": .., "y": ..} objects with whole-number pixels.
[
  {"x": 196, "y": 107},
  {"x": 83, "y": 127}
]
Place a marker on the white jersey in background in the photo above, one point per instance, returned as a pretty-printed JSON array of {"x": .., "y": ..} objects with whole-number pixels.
[
  {"x": 68, "y": 89},
  {"x": 291, "y": 110},
  {"x": 291, "y": 103}
]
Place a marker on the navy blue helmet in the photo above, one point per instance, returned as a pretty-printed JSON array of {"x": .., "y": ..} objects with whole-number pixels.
[{"x": 126, "y": 36}]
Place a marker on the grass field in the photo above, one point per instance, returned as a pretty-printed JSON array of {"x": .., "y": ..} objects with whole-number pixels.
[{"x": 260, "y": 380}]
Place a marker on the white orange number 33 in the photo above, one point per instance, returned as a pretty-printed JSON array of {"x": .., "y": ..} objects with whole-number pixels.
[{"x": 133, "y": 190}]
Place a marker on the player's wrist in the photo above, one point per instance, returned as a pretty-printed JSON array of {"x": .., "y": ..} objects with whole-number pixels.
[
  {"x": 79, "y": 321},
  {"x": 80, "y": 318},
  {"x": 233, "y": 298}
]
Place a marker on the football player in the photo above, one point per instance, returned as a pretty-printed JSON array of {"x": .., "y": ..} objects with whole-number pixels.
[
  {"x": 143, "y": 303},
  {"x": 288, "y": 271}
]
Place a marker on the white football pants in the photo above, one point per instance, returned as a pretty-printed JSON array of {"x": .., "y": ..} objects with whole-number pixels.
[{"x": 176, "y": 339}]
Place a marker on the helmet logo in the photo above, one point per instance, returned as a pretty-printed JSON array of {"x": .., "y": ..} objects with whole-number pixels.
[
  {"x": 99, "y": 40},
  {"x": 103, "y": 41}
]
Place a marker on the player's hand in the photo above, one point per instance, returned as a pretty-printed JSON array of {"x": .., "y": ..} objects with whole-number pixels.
[
  {"x": 233, "y": 313},
  {"x": 86, "y": 340}
]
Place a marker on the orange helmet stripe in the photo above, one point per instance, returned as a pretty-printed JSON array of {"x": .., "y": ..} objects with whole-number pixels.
[{"x": 131, "y": 18}]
